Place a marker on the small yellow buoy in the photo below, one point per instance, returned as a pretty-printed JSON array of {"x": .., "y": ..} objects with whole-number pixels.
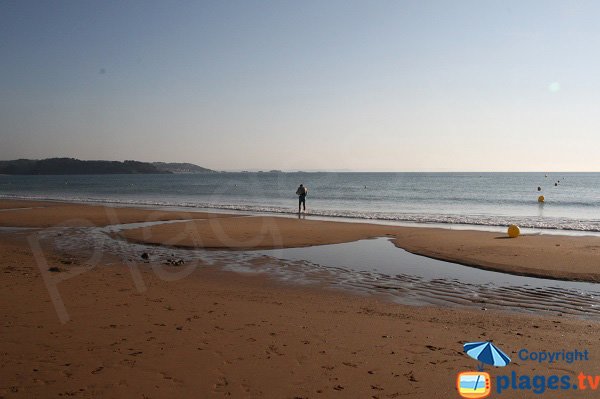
[
  {"x": 513, "y": 231},
  {"x": 541, "y": 198}
]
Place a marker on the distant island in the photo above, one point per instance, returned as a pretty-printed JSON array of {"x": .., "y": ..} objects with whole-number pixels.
[
  {"x": 72, "y": 166},
  {"x": 175, "y": 167}
]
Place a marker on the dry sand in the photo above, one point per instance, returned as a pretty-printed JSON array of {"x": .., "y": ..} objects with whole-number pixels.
[{"x": 219, "y": 334}]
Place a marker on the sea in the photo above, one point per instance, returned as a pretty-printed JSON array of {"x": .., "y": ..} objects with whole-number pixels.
[{"x": 474, "y": 200}]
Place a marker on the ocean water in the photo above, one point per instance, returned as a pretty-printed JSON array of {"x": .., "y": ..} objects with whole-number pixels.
[{"x": 477, "y": 199}]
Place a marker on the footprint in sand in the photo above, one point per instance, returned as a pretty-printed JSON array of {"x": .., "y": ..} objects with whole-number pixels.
[
  {"x": 221, "y": 384},
  {"x": 410, "y": 376}
]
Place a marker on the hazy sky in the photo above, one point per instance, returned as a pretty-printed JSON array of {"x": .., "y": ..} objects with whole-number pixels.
[{"x": 329, "y": 85}]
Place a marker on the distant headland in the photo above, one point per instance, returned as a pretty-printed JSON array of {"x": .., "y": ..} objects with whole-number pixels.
[{"x": 72, "y": 166}]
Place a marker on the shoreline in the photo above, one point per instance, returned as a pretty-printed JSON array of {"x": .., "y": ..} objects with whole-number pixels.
[
  {"x": 544, "y": 256},
  {"x": 292, "y": 213}
]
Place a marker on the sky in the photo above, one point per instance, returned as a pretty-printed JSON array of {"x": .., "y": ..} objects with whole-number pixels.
[{"x": 304, "y": 85}]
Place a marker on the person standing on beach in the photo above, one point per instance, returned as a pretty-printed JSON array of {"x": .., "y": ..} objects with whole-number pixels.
[{"x": 301, "y": 193}]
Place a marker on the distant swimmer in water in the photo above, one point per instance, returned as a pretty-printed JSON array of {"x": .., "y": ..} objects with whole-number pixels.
[{"x": 301, "y": 193}]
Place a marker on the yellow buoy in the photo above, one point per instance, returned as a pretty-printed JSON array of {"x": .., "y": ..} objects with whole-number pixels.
[
  {"x": 513, "y": 231},
  {"x": 541, "y": 198}
]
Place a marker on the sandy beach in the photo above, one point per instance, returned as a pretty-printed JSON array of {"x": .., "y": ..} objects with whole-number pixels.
[
  {"x": 132, "y": 331},
  {"x": 299, "y": 200}
]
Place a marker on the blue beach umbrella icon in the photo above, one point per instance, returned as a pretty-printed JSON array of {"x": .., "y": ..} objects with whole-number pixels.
[{"x": 486, "y": 353}]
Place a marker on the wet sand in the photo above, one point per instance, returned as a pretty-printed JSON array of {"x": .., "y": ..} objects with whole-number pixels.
[
  {"x": 219, "y": 334},
  {"x": 549, "y": 256},
  {"x": 42, "y": 214}
]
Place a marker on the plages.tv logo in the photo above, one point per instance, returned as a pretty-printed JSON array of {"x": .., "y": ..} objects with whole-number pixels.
[
  {"x": 473, "y": 384},
  {"x": 478, "y": 384}
]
